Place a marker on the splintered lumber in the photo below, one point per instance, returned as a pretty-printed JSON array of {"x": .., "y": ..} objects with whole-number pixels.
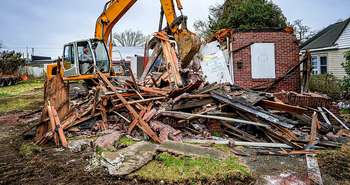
[
  {"x": 156, "y": 53},
  {"x": 183, "y": 115},
  {"x": 314, "y": 126},
  {"x": 124, "y": 118},
  {"x": 253, "y": 110},
  {"x": 57, "y": 93},
  {"x": 136, "y": 121},
  {"x": 324, "y": 116},
  {"x": 59, "y": 128},
  {"x": 142, "y": 124},
  {"x": 138, "y": 101},
  {"x": 192, "y": 104},
  {"x": 282, "y": 107},
  {"x": 243, "y": 134},
  {"x": 154, "y": 90},
  {"x": 170, "y": 57},
  {"x": 52, "y": 124},
  {"x": 134, "y": 81},
  {"x": 336, "y": 118}
]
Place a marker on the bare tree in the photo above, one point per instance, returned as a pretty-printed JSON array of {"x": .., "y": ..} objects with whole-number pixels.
[
  {"x": 202, "y": 28},
  {"x": 1, "y": 44},
  {"x": 129, "y": 38},
  {"x": 302, "y": 31}
]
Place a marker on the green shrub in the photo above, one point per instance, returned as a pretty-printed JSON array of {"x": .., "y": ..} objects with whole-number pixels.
[
  {"x": 345, "y": 83},
  {"x": 10, "y": 61},
  {"x": 326, "y": 84}
]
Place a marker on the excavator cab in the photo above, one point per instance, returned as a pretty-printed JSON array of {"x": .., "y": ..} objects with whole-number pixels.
[{"x": 82, "y": 58}]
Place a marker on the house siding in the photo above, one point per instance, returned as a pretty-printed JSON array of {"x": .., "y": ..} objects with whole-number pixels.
[
  {"x": 344, "y": 39},
  {"x": 334, "y": 60}
]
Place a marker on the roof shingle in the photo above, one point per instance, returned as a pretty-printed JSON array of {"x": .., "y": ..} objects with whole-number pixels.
[{"x": 327, "y": 37}]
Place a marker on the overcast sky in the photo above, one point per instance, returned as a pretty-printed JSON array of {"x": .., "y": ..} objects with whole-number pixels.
[{"x": 47, "y": 24}]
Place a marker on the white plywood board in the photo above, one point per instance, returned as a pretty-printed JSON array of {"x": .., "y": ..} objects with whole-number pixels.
[
  {"x": 214, "y": 65},
  {"x": 263, "y": 60}
]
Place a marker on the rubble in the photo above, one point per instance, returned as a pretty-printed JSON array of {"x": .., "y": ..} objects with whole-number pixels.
[
  {"x": 172, "y": 104},
  {"x": 107, "y": 141},
  {"x": 175, "y": 113}
]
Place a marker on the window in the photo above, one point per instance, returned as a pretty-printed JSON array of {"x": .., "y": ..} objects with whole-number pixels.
[
  {"x": 319, "y": 65},
  {"x": 85, "y": 58},
  {"x": 314, "y": 65},
  {"x": 323, "y": 65},
  {"x": 263, "y": 60},
  {"x": 68, "y": 56},
  {"x": 102, "y": 61},
  {"x": 84, "y": 52}
]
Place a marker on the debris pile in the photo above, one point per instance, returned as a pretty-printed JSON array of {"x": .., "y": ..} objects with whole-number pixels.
[
  {"x": 194, "y": 113},
  {"x": 162, "y": 106}
]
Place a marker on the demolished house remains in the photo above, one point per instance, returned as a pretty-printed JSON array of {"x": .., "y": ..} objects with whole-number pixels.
[{"x": 169, "y": 104}]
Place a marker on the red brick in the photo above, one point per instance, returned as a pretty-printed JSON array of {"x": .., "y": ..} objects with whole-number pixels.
[{"x": 286, "y": 57}]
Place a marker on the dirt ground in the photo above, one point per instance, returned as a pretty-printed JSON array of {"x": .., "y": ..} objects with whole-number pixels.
[{"x": 51, "y": 165}]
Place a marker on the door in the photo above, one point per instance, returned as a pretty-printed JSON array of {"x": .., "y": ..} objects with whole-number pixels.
[
  {"x": 85, "y": 58},
  {"x": 101, "y": 56},
  {"x": 69, "y": 61}
]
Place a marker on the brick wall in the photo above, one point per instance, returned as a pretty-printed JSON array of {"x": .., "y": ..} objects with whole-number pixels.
[{"x": 286, "y": 56}]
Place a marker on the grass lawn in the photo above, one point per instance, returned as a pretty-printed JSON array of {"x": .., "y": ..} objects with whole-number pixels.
[
  {"x": 170, "y": 168},
  {"x": 26, "y": 95}
]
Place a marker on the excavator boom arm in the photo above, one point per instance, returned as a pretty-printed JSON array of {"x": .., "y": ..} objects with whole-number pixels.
[
  {"x": 115, "y": 9},
  {"x": 188, "y": 43}
]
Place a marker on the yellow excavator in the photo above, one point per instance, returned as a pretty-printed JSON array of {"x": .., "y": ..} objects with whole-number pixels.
[{"x": 81, "y": 59}]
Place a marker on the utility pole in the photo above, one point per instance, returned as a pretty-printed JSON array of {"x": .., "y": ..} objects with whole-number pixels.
[{"x": 27, "y": 52}]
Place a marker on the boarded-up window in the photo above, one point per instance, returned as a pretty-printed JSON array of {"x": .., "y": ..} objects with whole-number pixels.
[{"x": 263, "y": 60}]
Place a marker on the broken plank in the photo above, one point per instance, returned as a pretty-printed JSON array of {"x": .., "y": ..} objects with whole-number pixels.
[
  {"x": 52, "y": 124},
  {"x": 154, "y": 90},
  {"x": 336, "y": 118},
  {"x": 249, "y": 137},
  {"x": 143, "y": 125},
  {"x": 314, "y": 126},
  {"x": 59, "y": 128},
  {"x": 324, "y": 116},
  {"x": 282, "y": 107},
  {"x": 124, "y": 118},
  {"x": 252, "y": 110},
  {"x": 183, "y": 115},
  {"x": 192, "y": 104},
  {"x": 135, "y": 122}
]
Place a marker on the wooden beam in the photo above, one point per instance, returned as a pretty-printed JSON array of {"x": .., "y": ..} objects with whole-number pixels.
[
  {"x": 52, "y": 124},
  {"x": 183, "y": 115},
  {"x": 59, "y": 127},
  {"x": 282, "y": 107},
  {"x": 324, "y": 116},
  {"x": 314, "y": 126},
  {"x": 336, "y": 118}
]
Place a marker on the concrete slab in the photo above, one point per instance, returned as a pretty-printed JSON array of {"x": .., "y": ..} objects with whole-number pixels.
[{"x": 130, "y": 159}]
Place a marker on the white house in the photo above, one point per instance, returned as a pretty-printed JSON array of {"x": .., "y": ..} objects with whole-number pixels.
[
  {"x": 328, "y": 48},
  {"x": 128, "y": 57}
]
